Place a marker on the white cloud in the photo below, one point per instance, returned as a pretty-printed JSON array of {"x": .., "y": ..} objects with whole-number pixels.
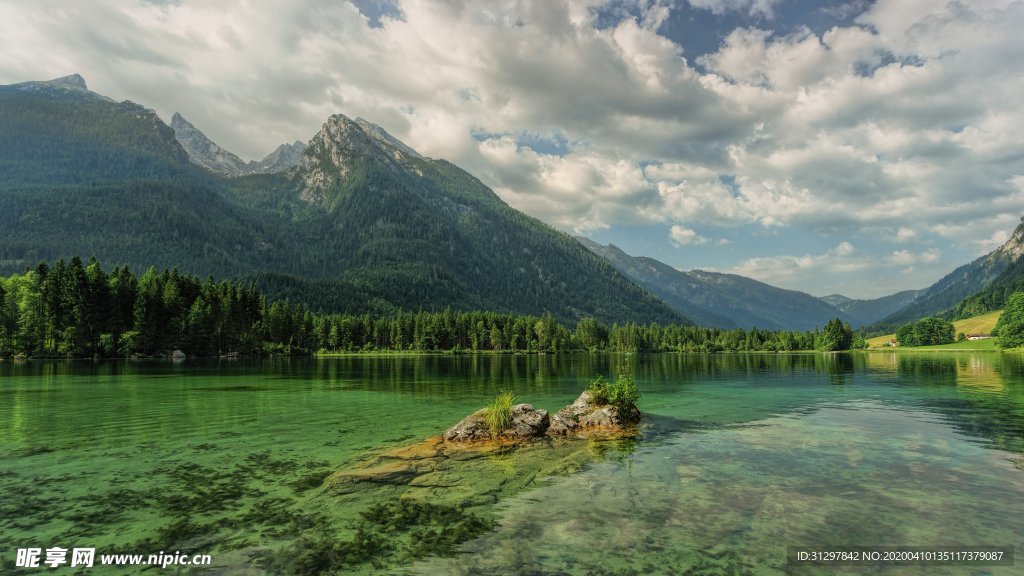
[
  {"x": 686, "y": 236},
  {"x": 782, "y": 269},
  {"x": 902, "y": 257},
  {"x": 905, "y": 234},
  {"x": 844, "y": 249},
  {"x": 763, "y": 8},
  {"x": 683, "y": 236},
  {"x": 906, "y": 257}
]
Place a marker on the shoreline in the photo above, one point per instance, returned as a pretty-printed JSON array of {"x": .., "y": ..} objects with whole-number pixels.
[{"x": 479, "y": 353}]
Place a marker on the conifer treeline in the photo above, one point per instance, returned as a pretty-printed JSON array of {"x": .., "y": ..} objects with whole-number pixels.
[{"x": 77, "y": 309}]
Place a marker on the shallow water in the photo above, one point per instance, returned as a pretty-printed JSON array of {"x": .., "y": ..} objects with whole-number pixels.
[{"x": 739, "y": 457}]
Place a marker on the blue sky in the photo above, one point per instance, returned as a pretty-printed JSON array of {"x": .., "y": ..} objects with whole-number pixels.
[{"x": 853, "y": 147}]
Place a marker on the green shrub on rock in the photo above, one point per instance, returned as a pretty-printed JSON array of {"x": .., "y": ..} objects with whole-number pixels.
[
  {"x": 624, "y": 393},
  {"x": 598, "y": 391}
]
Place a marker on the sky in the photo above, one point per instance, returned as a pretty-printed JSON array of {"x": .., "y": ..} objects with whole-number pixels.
[{"x": 843, "y": 146}]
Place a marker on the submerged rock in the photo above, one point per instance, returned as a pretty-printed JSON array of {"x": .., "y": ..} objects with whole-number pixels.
[
  {"x": 584, "y": 415},
  {"x": 396, "y": 473},
  {"x": 527, "y": 422}
]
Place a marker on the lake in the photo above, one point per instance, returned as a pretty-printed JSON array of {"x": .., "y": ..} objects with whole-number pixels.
[{"x": 739, "y": 457}]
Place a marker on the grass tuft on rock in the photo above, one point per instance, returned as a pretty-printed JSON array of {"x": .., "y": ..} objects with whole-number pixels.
[{"x": 498, "y": 413}]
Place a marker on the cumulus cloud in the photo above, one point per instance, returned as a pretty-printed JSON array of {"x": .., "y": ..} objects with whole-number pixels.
[
  {"x": 900, "y": 123},
  {"x": 905, "y": 234},
  {"x": 779, "y": 269},
  {"x": 763, "y": 8},
  {"x": 683, "y": 236}
]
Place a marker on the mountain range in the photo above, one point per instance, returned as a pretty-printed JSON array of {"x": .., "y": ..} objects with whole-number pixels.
[
  {"x": 204, "y": 152},
  {"x": 873, "y": 310},
  {"x": 357, "y": 221},
  {"x": 723, "y": 300},
  {"x": 728, "y": 300}
]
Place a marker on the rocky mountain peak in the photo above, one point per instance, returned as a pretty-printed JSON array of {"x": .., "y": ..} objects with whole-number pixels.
[
  {"x": 209, "y": 155},
  {"x": 72, "y": 82},
  {"x": 282, "y": 158},
  {"x": 339, "y": 142},
  {"x": 360, "y": 136}
]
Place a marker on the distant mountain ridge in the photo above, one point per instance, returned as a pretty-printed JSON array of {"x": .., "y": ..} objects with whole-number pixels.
[
  {"x": 358, "y": 220},
  {"x": 664, "y": 281},
  {"x": 722, "y": 300},
  {"x": 835, "y": 299},
  {"x": 869, "y": 311}
]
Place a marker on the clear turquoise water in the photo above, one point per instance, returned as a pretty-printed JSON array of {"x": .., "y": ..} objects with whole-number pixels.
[{"x": 739, "y": 457}]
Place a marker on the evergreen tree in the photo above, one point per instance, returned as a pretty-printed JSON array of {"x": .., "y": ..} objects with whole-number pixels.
[
  {"x": 836, "y": 335},
  {"x": 1010, "y": 327}
]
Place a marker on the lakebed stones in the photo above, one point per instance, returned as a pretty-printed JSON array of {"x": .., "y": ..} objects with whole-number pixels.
[{"x": 526, "y": 422}]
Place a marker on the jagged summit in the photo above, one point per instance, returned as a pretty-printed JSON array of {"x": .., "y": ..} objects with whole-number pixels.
[
  {"x": 206, "y": 153},
  {"x": 359, "y": 135},
  {"x": 281, "y": 159},
  {"x": 341, "y": 143}
]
